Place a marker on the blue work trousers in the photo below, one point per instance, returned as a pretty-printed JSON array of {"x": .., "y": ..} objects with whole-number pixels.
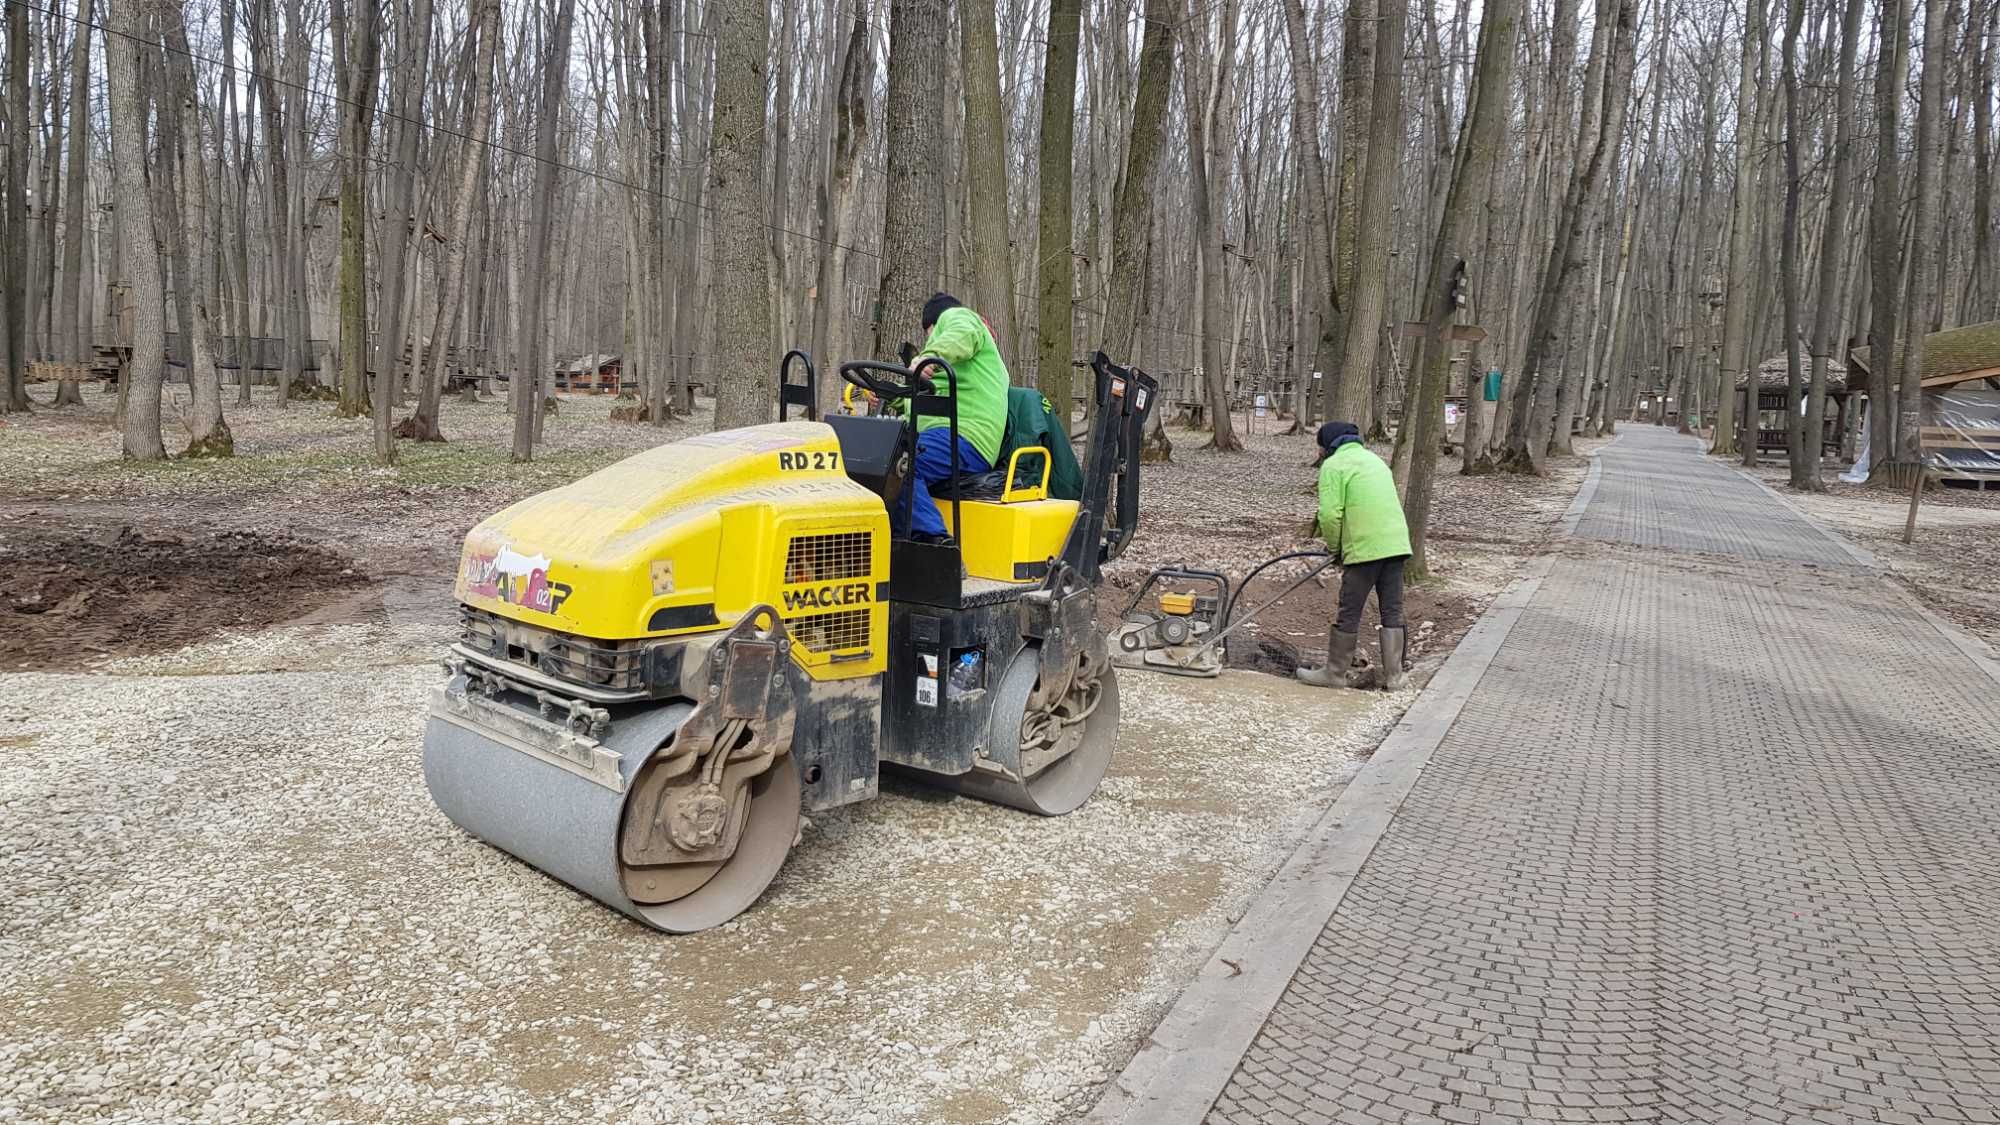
[{"x": 933, "y": 466}]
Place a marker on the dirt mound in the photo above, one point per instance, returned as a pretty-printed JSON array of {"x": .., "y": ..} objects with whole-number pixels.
[{"x": 77, "y": 595}]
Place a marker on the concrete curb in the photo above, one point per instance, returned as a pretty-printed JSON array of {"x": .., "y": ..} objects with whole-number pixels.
[
  {"x": 1187, "y": 1061},
  {"x": 1588, "y": 491}
]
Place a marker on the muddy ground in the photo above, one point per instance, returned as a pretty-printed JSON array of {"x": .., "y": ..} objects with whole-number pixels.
[
  {"x": 80, "y": 593},
  {"x": 254, "y": 912}
]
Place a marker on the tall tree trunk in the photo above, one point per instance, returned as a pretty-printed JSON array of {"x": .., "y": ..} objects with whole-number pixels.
[
  {"x": 128, "y": 30},
  {"x": 1055, "y": 270},
  {"x": 1552, "y": 340},
  {"x": 778, "y": 196},
  {"x": 1885, "y": 210},
  {"x": 840, "y": 201},
  {"x": 1636, "y": 196},
  {"x": 1204, "y": 179},
  {"x": 298, "y": 306},
  {"x": 1738, "y": 289},
  {"x": 423, "y": 423},
  {"x": 1788, "y": 252},
  {"x": 1132, "y": 221},
  {"x": 1471, "y": 184},
  {"x": 533, "y": 328},
  {"x": 746, "y": 388},
  {"x": 357, "y": 46},
  {"x": 1981, "y": 286},
  {"x": 208, "y": 434},
  {"x": 1620, "y": 45},
  {"x": 284, "y": 233},
  {"x": 239, "y": 260},
  {"x": 401, "y": 228},
  {"x": 1352, "y": 395},
  {"x": 986, "y": 157},
  {"x": 1832, "y": 250},
  {"x": 72, "y": 333},
  {"x": 1926, "y": 227},
  {"x": 1317, "y": 203},
  {"x": 13, "y": 230},
  {"x": 1358, "y": 65}
]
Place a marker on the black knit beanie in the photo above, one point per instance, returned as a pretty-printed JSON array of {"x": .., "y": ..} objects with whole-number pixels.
[{"x": 936, "y": 306}]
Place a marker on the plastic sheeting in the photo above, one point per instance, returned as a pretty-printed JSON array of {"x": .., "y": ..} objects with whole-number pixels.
[
  {"x": 1962, "y": 430},
  {"x": 1858, "y": 472}
]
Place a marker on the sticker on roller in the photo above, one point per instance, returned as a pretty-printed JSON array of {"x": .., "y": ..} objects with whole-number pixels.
[{"x": 927, "y": 680}]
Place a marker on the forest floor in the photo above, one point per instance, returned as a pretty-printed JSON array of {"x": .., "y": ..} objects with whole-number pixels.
[
  {"x": 1949, "y": 565},
  {"x": 232, "y": 897}
]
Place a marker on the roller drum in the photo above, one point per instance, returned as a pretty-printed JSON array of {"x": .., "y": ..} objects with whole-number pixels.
[{"x": 566, "y": 824}]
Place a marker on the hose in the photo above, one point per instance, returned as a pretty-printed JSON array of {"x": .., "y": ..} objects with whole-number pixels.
[{"x": 1259, "y": 569}]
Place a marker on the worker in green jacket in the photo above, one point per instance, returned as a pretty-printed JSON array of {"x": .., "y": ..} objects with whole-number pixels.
[
  {"x": 961, "y": 338},
  {"x": 1361, "y": 519}
]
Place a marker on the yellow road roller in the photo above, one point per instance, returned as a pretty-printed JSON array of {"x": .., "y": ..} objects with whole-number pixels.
[{"x": 662, "y": 664}]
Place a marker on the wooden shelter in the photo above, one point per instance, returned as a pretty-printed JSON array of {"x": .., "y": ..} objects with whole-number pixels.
[
  {"x": 1960, "y": 413},
  {"x": 591, "y": 374},
  {"x": 1773, "y": 411}
]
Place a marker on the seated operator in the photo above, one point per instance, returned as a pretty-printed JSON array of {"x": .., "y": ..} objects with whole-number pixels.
[{"x": 961, "y": 338}]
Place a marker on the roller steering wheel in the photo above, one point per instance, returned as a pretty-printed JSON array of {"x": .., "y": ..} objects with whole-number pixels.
[{"x": 869, "y": 375}]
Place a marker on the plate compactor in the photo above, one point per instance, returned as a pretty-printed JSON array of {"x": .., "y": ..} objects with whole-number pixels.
[{"x": 663, "y": 663}]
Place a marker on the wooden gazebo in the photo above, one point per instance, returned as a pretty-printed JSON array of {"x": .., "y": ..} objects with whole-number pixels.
[{"x": 1773, "y": 410}]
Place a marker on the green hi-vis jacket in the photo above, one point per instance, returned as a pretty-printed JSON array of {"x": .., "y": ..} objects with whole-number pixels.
[
  {"x": 960, "y": 337},
  {"x": 1360, "y": 515}
]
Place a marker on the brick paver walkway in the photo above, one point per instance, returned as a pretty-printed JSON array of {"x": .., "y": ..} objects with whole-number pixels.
[{"x": 1716, "y": 839}]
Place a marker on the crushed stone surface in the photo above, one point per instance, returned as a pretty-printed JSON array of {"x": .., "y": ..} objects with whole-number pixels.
[{"x": 232, "y": 899}]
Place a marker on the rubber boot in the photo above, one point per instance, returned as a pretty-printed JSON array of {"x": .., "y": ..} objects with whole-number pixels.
[
  {"x": 1391, "y": 641},
  {"x": 1339, "y": 658}
]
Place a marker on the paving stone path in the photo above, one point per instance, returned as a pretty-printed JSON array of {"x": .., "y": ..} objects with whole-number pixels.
[{"x": 1715, "y": 839}]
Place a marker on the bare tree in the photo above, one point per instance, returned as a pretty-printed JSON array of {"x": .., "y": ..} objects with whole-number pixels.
[
  {"x": 1055, "y": 264},
  {"x": 72, "y": 334},
  {"x": 208, "y": 434},
  {"x": 1352, "y": 397},
  {"x": 1204, "y": 95},
  {"x": 1358, "y": 51},
  {"x": 1788, "y": 248},
  {"x": 532, "y": 325},
  {"x": 839, "y": 197},
  {"x": 400, "y": 223},
  {"x": 446, "y": 316},
  {"x": 127, "y": 30},
  {"x": 1553, "y": 338},
  {"x": 1471, "y": 185},
  {"x": 745, "y": 380},
  {"x": 1317, "y": 204},
  {"x": 357, "y": 46},
  {"x": 1832, "y": 251},
  {"x": 1132, "y": 222},
  {"x": 1892, "y": 69},
  {"x": 1920, "y": 302},
  {"x": 986, "y": 160},
  {"x": 14, "y": 286}
]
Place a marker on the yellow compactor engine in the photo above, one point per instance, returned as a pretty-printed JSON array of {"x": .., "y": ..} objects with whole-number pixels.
[{"x": 660, "y": 664}]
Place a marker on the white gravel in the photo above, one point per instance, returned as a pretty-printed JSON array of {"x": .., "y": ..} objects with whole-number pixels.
[{"x": 230, "y": 899}]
